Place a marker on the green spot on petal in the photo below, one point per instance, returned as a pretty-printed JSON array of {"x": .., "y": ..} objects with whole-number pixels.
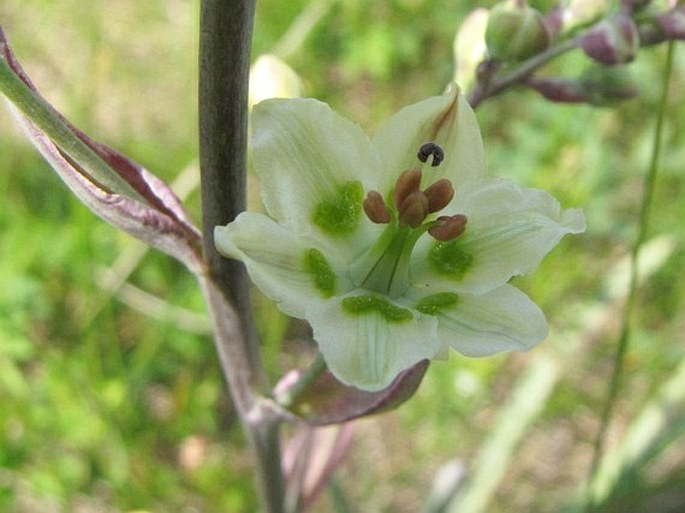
[
  {"x": 359, "y": 305},
  {"x": 322, "y": 273},
  {"x": 432, "y": 305},
  {"x": 450, "y": 258},
  {"x": 340, "y": 214}
]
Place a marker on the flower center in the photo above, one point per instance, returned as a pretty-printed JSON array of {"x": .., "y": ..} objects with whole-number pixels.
[{"x": 384, "y": 268}]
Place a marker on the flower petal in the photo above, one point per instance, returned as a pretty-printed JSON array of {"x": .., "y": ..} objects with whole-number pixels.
[
  {"x": 508, "y": 232},
  {"x": 276, "y": 260},
  {"x": 504, "y": 319},
  {"x": 365, "y": 350},
  {"x": 447, "y": 120},
  {"x": 304, "y": 154}
]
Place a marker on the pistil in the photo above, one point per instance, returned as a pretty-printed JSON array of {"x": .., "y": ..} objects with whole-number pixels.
[{"x": 384, "y": 268}]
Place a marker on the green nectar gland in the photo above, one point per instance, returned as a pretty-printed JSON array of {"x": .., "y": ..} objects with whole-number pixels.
[
  {"x": 370, "y": 303},
  {"x": 434, "y": 304},
  {"x": 451, "y": 259},
  {"x": 340, "y": 213},
  {"x": 322, "y": 274}
]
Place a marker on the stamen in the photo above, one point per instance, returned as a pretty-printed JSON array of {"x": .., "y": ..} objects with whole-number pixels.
[
  {"x": 439, "y": 195},
  {"x": 413, "y": 209},
  {"x": 428, "y": 149},
  {"x": 376, "y": 209},
  {"x": 447, "y": 228},
  {"x": 408, "y": 183}
]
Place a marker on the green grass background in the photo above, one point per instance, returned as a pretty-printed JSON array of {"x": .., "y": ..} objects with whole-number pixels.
[{"x": 108, "y": 405}]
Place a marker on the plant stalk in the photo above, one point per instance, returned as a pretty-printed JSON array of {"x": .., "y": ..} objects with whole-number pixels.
[
  {"x": 497, "y": 84},
  {"x": 225, "y": 43},
  {"x": 629, "y": 307}
]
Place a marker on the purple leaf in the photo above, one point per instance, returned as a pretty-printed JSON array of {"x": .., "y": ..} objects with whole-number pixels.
[
  {"x": 155, "y": 215},
  {"x": 153, "y": 226},
  {"x": 311, "y": 457}
]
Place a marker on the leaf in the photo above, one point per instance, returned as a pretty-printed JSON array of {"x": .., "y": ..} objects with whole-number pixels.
[{"x": 112, "y": 185}]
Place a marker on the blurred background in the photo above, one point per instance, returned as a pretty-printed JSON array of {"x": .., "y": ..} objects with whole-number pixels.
[{"x": 111, "y": 399}]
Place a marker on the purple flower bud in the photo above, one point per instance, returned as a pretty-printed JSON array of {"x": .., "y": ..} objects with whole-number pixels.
[
  {"x": 673, "y": 23},
  {"x": 599, "y": 85},
  {"x": 561, "y": 90},
  {"x": 613, "y": 41}
]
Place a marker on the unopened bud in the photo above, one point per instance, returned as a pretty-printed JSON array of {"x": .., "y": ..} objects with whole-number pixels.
[
  {"x": 447, "y": 228},
  {"x": 270, "y": 77},
  {"x": 376, "y": 209},
  {"x": 673, "y": 23},
  {"x": 663, "y": 27},
  {"x": 439, "y": 195},
  {"x": 515, "y": 32},
  {"x": 613, "y": 41},
  {"x": 562, "y": 90},
  {"x": 554, "y": 21},
  {"x": 607, "y": 85},
  {"x": 469, "y": 47},
  {"x": 635, "y": 5},
  {"x": 581, "y": 12}
]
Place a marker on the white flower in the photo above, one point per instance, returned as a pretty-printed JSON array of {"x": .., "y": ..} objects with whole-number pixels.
[{"x": 392, "y": 260}]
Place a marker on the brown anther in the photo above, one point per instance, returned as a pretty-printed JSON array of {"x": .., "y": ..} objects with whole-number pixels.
[
  {"x": 448, "y": 228},
  {"x": 413, "y": 209},
  {"x": 428, "y": 149},
  {"x": 439, "y": 195},
  {"x": 376, "y": 209},
  {"x": 407, "y": 183}
]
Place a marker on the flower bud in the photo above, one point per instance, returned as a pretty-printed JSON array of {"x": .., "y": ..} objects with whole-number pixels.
[
  {"x": 270, "y": 77},
  {"x": 599, "y": 85},
  {"x": 613, "y": 41},
  {"x": 605, "y": 86},
  {"x": 469, "y": 47},
  {"x": 663, "y": 27},
  {"x": 560, "y": 90},
  {"x": 673, "y": 23},
  {"x": 515, "y": 32},
  {"x": 581, "y": 12},
  {"x": 635, "y": 5}
]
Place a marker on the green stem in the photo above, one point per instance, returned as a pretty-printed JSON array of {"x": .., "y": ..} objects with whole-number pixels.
[
  {"x": 225, "y": 43},
  {"x": 624, "y": 339},
  {"x": 310, "y": 375},
  {"x": 496, "y": 84}
]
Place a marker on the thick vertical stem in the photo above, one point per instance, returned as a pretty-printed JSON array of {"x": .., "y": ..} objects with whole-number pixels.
[{"x": 225, "y": 41}]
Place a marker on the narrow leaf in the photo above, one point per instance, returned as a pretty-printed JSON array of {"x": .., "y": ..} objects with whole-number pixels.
[{"x": 113, "y": 186}]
